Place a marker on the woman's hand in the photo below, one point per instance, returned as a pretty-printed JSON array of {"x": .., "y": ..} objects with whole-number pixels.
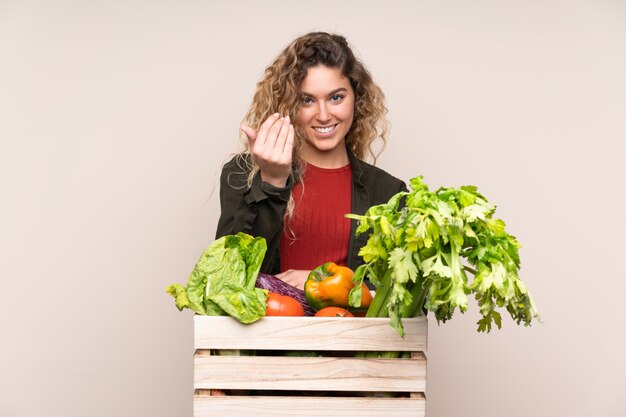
[
  {"x": 271, "y": 148},
  {"x": 294, "y": 277}
]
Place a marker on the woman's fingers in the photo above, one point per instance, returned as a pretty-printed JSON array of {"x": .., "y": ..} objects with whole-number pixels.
[
  {"x": 288, "y": 147},
  {"x": 265, "y": 127},
  {"x": 284, "y": 133},
  {"x": 272, "y": 136},
  {"x": 281, "y": 137},
  {"x": 294, "y": 277},
  {"x": 271, "y": 147}
]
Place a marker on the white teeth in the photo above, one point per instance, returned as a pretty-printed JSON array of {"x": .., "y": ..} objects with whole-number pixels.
[{"x": 324, "y": 129}]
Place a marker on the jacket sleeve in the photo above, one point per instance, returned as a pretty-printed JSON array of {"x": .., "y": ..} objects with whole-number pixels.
[{"x": 257, "y": 210}]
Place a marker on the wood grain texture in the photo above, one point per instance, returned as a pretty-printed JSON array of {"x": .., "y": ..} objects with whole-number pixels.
[
  {"x": 310, "y": 373},
  {"x": 205, "y": 406},
  {"x": 309, "y": 333},
  {"x": 334, "y": 384}
]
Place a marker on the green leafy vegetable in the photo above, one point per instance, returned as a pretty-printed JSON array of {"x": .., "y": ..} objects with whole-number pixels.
[
  {"x": 419, "y": 255},
  {"x": 222, "y": 282}
]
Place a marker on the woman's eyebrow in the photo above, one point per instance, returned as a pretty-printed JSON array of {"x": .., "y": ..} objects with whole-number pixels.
[{"x": 342, "y": 89}]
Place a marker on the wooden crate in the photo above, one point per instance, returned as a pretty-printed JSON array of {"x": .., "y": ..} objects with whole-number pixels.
[{"x": 334, "y": 384}]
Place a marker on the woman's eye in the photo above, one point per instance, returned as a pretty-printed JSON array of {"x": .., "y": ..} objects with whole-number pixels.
[
  {"x": 306, "y": 100},
  {"x": 336, "y": 97}
]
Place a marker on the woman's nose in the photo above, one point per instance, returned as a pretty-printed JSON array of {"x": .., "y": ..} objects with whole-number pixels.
[{"x": 322, "y": 113}]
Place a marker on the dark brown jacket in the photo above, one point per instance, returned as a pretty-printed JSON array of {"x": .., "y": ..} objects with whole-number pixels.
[{"x": 259, "y": 210}]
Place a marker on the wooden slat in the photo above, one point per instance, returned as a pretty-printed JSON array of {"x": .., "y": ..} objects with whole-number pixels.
[
  {"x": 308, "y": 406},
  {"x": 309, "y": 333},
  {"x": 310, "y": 373}
]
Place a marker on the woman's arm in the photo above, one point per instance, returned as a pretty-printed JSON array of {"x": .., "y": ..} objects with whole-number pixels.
[{"x": 257, "y": 210}]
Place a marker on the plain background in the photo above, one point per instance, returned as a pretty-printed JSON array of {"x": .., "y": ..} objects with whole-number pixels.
[{"x": 115, "y": 118}]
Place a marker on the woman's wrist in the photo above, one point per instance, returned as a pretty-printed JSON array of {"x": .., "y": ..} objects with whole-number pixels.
[{"x": 278, "y": 182}]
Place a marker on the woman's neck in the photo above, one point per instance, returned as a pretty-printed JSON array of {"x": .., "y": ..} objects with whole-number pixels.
[{"x": 335, "y": 158}]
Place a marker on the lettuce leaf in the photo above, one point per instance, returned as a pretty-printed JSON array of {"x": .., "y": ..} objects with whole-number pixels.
[{"x": 222, "y": 281}]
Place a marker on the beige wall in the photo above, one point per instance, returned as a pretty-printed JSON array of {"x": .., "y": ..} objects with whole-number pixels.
[{"x": 116, "y": 116}]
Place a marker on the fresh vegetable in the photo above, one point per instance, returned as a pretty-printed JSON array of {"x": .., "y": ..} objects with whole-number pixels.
[
  {"x": 222, "y": 282},
  {"x": 333, "y": 312},
  {"x": 274, "y": 284},
  {"x": 419, "y": 255},
  {"x": 330, "y": 284},
  {"x": 283, "y": 305}
]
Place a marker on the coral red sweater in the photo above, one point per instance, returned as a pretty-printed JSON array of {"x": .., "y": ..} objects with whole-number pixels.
[{"x": 318, "y": 231}]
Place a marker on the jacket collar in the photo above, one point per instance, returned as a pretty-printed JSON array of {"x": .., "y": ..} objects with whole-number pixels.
[{"x": 357, "y": 168}]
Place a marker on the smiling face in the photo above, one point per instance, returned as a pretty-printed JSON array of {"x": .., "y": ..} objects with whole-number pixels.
[{"x": 325, "y": 116}]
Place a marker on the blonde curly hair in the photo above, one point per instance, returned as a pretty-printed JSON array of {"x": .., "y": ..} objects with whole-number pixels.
[{"x": 279, "y": 92}]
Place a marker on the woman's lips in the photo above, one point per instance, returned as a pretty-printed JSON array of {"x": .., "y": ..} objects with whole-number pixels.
[{"x": 325, "y": 130}]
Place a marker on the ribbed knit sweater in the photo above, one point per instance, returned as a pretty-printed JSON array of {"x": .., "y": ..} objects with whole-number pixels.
[{"x": 318, "y": 231}]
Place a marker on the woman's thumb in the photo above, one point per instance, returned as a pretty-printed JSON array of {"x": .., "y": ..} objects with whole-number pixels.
[{"x": 250, "y": 133}]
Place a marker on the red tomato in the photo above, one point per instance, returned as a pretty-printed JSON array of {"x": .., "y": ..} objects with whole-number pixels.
[
  {"x": 283, "y": 305},
  {"x": 333, "y": 312}
]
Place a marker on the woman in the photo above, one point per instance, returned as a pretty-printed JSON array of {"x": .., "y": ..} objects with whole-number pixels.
[{"x": 312, "y": 121}]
